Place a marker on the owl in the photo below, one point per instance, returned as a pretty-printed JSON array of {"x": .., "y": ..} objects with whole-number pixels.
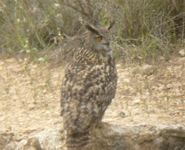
[{"x": 88, "y": 87}]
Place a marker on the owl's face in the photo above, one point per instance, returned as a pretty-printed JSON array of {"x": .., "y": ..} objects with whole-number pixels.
[{"x": 99, "y": 39}]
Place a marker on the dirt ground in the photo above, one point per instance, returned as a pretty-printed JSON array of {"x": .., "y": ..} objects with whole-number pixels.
[{"x": 30, "y": 96}]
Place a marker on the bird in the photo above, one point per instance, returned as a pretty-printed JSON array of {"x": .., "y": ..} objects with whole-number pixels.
[{"x": 88, "y": 87}]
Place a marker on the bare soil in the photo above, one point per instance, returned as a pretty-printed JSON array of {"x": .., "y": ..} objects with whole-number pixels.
[{"x": 30, "y": 96}]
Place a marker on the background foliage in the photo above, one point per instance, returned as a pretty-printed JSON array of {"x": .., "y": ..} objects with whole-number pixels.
[{"x": 144, "y": 30}]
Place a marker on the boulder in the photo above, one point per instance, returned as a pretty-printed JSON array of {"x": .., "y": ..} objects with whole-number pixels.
[
  {"x": 112, "y": 137},
  {"x": 51, "y": 139},
  {"x": 7, "y": 141}
]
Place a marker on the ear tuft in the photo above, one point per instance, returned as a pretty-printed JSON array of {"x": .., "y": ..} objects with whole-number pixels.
[
  {"x": 91, "y": 28},
  {"x": 110, "y": 25}
]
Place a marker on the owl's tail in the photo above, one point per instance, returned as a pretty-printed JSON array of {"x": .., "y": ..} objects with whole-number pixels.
[{"x": 78, "y": 141}]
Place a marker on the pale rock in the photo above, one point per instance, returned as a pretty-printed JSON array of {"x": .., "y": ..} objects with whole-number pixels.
[
  {"x": 114, "y": 137},
  {"x": 147, "y": 70},
  {"x": 182, "y": 52}
]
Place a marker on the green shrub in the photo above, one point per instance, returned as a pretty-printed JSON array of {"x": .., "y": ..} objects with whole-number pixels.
[{"x": 144, "y": 29}]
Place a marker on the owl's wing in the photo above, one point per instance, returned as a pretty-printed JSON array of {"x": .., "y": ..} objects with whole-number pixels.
[{"x": 86, "y": 93}]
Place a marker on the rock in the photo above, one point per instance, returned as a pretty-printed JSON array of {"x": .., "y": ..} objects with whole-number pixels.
[
  {"x": 46, "y": 140},
  {"x": 10, "y": 146},
  {"x": 147, "y": 70},
  {"x": 161, "y": 58},
  {"x": 109, "y": 137},
  {"x": 182, "y": 52},
  {"x": 141, "y": 137},
  {"x": 118, "y": 66},
  {"x": 30, "y": 144},
  {"x": 144, "y": 70},
  {"x": 137, "y": 101},
  {"x": 7, "y": 141}
]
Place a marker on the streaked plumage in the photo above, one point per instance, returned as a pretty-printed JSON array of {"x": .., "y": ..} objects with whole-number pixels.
[{"x": 88, "y": 87}]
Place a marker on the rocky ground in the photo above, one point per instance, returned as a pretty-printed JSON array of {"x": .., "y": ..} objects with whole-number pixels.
[{"x": 146, "y": 95}]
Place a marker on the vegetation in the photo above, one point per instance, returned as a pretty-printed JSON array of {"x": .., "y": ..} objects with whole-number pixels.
[{"x": 144, "y": 29}]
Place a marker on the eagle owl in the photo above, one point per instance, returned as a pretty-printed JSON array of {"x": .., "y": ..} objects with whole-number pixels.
[{"x": 89, "y": 85}]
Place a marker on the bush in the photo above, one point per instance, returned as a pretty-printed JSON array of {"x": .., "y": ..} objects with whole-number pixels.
[
  {"x": 155, "y": 27},
  {"x": 144, "y": 29}
]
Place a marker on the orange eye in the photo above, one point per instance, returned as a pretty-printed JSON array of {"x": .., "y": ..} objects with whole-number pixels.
[{"x": 99, "y": 38}]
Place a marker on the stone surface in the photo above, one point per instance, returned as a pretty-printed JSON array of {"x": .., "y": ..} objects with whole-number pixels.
[
  {"x": 147, "y": 69},
  {"x": 141, "y": 137},
  {"x": 107, "y": 137},
  {"x": 182, "y": 52},
  {"x": 7, "y": 141},
  {"x": 46, "y": 140}
]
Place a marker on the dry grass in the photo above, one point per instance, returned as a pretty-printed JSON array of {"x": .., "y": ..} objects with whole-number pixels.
[{"x": 34, "y": 29}]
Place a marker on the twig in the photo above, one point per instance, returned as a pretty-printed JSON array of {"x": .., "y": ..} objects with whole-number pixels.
[
  {"x": 112, "y": 11},
  {"x": 79, "y": 2},
  {"x": 183, "y": 24},
  {"x": 82, "y": 11},
  {"x": 69, "y": 5}
]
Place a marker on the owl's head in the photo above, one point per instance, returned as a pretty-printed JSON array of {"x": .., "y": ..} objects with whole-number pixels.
[{"x": 98, "y": 39}]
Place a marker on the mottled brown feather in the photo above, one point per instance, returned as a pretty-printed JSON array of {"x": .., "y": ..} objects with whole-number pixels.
[{"x": 88, "y": 88}]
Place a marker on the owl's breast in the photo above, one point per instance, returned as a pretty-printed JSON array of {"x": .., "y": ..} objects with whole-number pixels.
[
  {"x": 90, "y": 80},
  {"x": 86, "y": 92}
]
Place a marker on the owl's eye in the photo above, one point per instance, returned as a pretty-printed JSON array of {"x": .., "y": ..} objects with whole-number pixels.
[{"x": 99, "y": 38}]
